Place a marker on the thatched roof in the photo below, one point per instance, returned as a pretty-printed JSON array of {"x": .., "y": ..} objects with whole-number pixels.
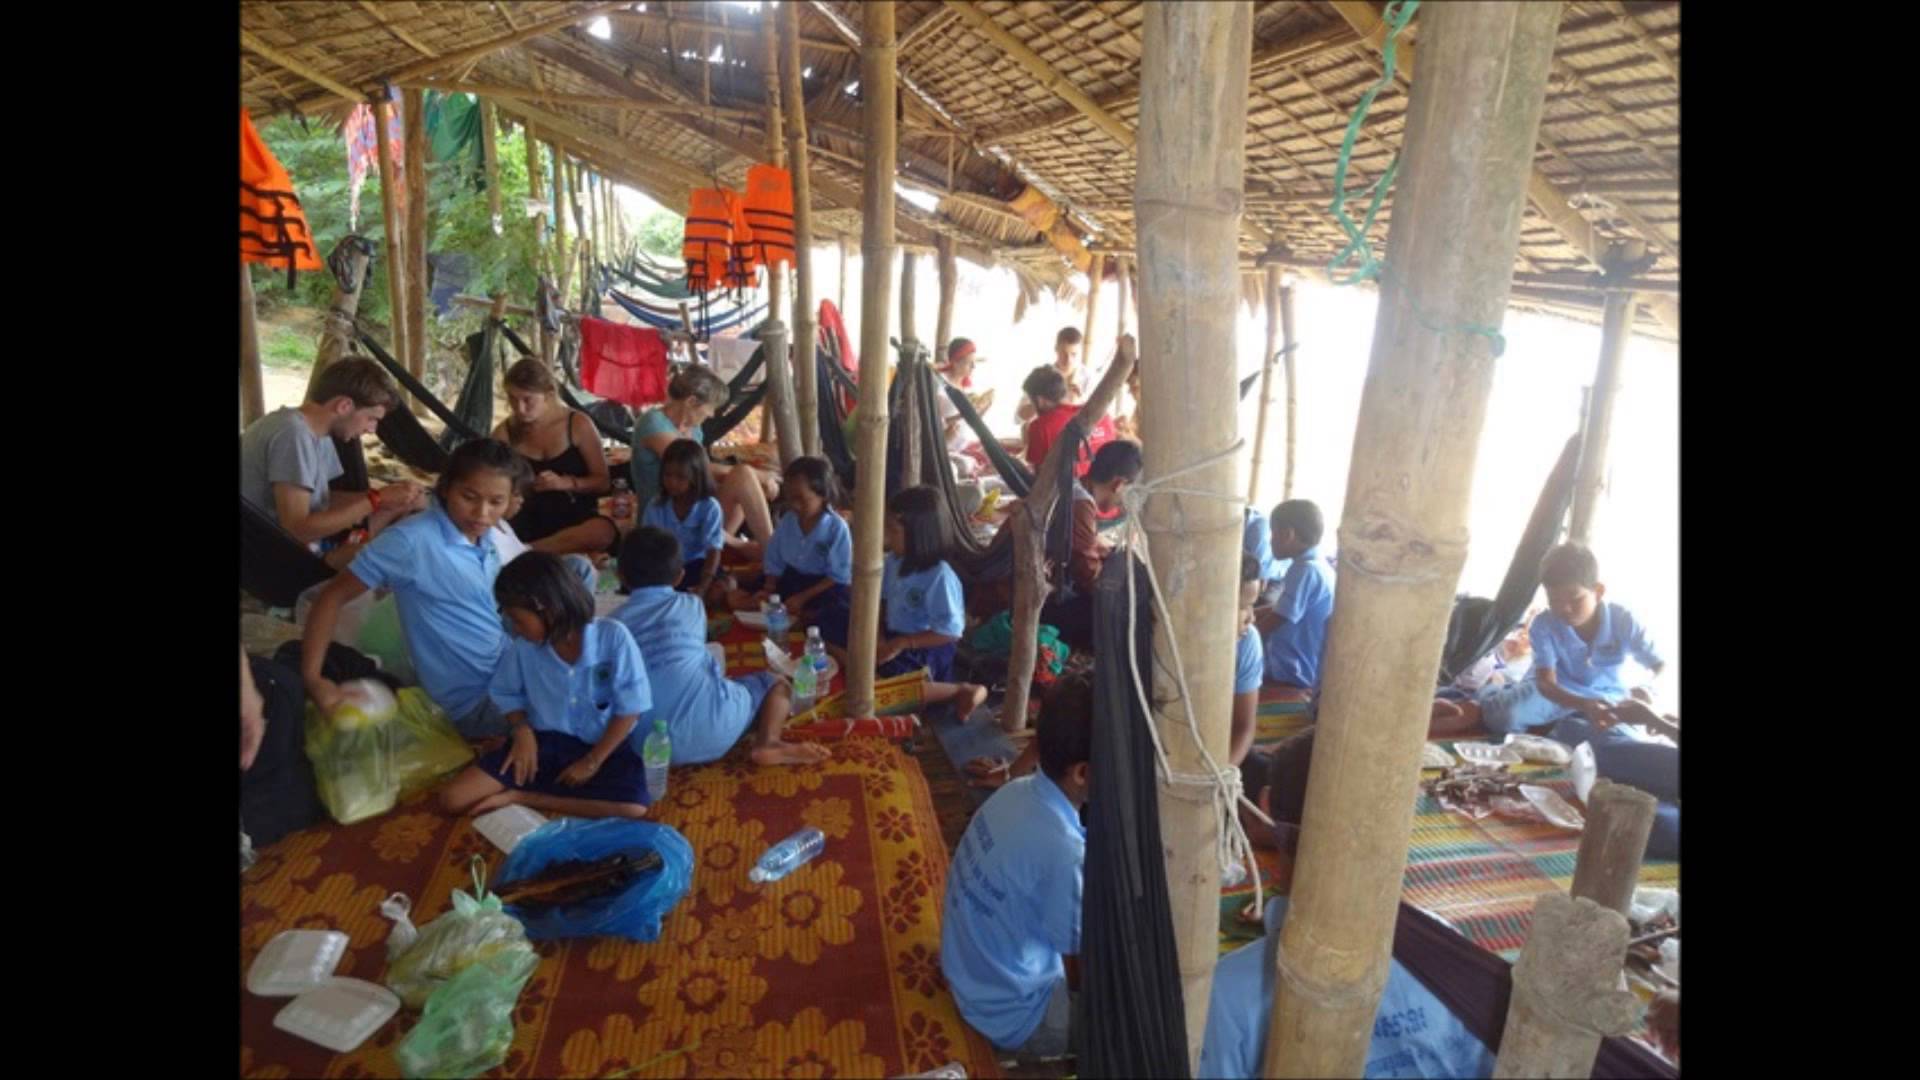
[{"x": 1017, "y": 93}]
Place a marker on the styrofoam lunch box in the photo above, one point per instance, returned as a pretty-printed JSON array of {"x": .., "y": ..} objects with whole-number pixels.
[
  {"x": 296, "y": 961},
  {"x": 507, "y": 826},
  {"x": 339, "y": 1015}
]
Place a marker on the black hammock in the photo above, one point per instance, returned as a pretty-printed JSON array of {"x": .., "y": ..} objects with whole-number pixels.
[
  {"x": 401, "y": 431},
  {"x": 274, "y": 566}
]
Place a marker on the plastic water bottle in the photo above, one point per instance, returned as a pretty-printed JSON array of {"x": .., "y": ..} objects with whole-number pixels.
[
  {"x": 778, "y": 623},
  {"x": 657, "y": 753},
  {"x": 787, "y": 856},
  {"x": 806, "y": 676}
]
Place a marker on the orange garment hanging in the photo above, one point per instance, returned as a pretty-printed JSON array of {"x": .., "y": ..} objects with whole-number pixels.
[
  {"x": 709, "y": 238},
  {"x": 769, "y": 212},
  {"x": 744, "y": 262},
  {"x": 273, "y": 228}
]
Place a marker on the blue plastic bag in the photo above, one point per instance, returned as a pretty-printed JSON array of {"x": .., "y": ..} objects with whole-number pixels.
[{"x": 636, "y": 911}]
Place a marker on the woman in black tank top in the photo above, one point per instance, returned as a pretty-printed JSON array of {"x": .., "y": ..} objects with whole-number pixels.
[{"x": 561, "y": 515}]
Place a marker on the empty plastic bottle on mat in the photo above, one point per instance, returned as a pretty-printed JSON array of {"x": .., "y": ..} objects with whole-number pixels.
[
  {"x": 777, "y": 621},
  {"x": 786, "y": 856},
  {"x": 657, "y": 753},
  {"x": 806, "y": 677}
]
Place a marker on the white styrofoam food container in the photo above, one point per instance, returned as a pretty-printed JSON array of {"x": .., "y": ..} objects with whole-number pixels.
[
  {"x": 1483, "y": 753},
  {"x": 296, "y": 961},
  {"x": 507, "y": 826},
  {"x": 339, "y": 1015}
]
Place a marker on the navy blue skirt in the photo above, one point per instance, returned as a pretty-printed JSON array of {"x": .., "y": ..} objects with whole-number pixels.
[
  {"x": 690, "y": 574},
  {"x": 830, "y": 610},
  {"x": 621, "y": 779},
  {"x": 938, "y": 662}
]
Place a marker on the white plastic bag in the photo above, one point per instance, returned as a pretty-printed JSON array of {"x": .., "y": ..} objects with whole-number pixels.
[{"x": 1583, "y": 771}]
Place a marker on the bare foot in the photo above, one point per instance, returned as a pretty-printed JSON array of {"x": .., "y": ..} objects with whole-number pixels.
[
  {"x": 986, "y": 766},
  {"x": 967, "y": 698},
  {"x": 493, "y": 802},
  {"x": 786, "y": 753}
]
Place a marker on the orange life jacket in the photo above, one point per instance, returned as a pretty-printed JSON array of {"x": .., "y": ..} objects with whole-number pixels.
[
  {"x": 709, "y": 238},
  {"x": 769, "y": 210},
  {"x": 273, "y": 228},
  {"x": 744, "y": 261}
]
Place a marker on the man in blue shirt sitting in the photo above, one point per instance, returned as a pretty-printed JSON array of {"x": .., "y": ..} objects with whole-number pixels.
[
  {"x": 1012, "y": 911},
  {"x": 1295, "y": 628}
]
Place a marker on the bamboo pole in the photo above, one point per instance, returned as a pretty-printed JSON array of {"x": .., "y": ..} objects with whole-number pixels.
[
  {"x": 879, "y": 91},
  {"x": 1193, "y": 126},
  {"x": 845, "y": 255},
  {"x": 786, "y": 417},
  {"x": 1566, "y": 990},
  {"x": 562, "y": 251},
  {"x": 1616, "y": 323},
  {"x": 414, "y": 102},
  {"x": 395, "y": 228},
  {"x": 542, "y": 263},
  {"x": 1289, "y": 344},
  {"x": 253, "y": 394},
  {"x": 1472, "y": 118},
  {"x": 949, "y": 284},
  {"x": 1619, "y": 820},
  {"x": 490, "y": 155},
  {"x": 1125, "y": 286},
  {"x": 1096, "y": 268},
  {"x": 910, "y": 473},
  {"x": 805, "y": 320},
  {"x": 486, "y": 48},
  {"x": 336, "y": 333},
  {"x": 1267, "y": 359}
]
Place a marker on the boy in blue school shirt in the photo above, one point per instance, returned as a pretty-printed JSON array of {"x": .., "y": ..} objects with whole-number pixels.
[
  {"x": 1012, "y": 910},
  {"x": 1257, "y": 541},
  {"x": 706, "y": 712},
  {"x": 1248, "y": 663},
  {"x": 1295, "y": 629}
]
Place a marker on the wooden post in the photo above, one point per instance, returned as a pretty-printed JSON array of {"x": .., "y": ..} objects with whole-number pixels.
[
  {"x": 949, "y": 284},
  {"x": 1619, "y": 820},
  {"x": 490, "y": 155},
  {"x": 879, "y": 91},
  {"x": 253, "y": 393},
  {"x": 786, "y": 418},
  {"x": 1472, "y": 117},
  {"x": 845, "y": 254},
  {"x": 336, "y": 333},
  {"x": 806, "y": 321},
  {"x": 586, "y": 221},
  {"x": 416, "y": 136},
  {"x": 910, "y": 473},
  {"x": 1188, "y": 202},
  {"x": 1095, "y": 270},
  {"x": 1267, "y": 359},
  {"x": 542, "y": 264},
  {"x": 1566, "y": 988},
  {"x": 562, "y": 252},
  {"x": 1289, "y": 341},
  {"x": 1030, "y": 584},
  {"x": 395, "y": 228},
  {"x": 1125, "y": 286},
  {"x": 1616, "y": 324}
]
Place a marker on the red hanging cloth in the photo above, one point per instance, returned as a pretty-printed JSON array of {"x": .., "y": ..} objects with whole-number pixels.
[{"x": 625, "y": 363}]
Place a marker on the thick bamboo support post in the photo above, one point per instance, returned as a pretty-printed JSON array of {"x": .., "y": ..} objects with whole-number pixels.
[
  {"x": 414, "y": 102},
  {"x": 1566, "y": 991},
  {"x": 542, "y": 265},
  {"x": 1187, "y": 203},
  {"x": 1030, "y": 515},
  {"x": 949, "y": 285},
  {"x": 1290, "y": 354},
  {"x": 786, "y": 418},
  {"x": 845, "y": 256},
  {"x": 253, "y": 393},
  {"x": 910, "y": 473},
  {"x": 1267, "y": 359},
  {"x": 562, "y": 252},
  {"x": 1095, "y": 269},
  {"x": 1619, "y": 820},
  {"x": 336, "y": 333},
  {"x": 1616, "y": 324},
  {"x": 490, "y": 157},
  {"x": 806, "y": 321},
  {"x": 392, "y": 222},
  {"x": 879, "y": 91},
  {"x": 1472, "y": 118},
  {"x": 1125, "y": 286}
]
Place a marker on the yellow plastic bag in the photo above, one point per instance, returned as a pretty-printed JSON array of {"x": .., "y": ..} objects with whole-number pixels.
[
  {"x": 426, "y": 748},
  {"x": 352, "y": 756}
]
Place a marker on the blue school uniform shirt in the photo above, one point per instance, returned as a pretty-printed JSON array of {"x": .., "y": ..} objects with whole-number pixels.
[
  {"x": 646, "y": 464},
  {"x": 1414, "y": 1035},
  {"x": 827, "y": 550},
  {"x": 699, "y": 532},
  {"x": 578, "y": 699},
  {"x": 706, "y": 712},
  {"x": 1258, "y": 542},
  {"x": 929, "y": 600},
  {"x": 1295, "y": 646},
  {"x": 1249, "y": 665},
  {"x": 442, "y": 583},
  {"x": 1012, "y": 908},
  {"x": 1592, "y": 670}
]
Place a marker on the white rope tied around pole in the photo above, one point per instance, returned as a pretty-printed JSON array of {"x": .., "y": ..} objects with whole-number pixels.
[{"x": 1222, "y": 783}]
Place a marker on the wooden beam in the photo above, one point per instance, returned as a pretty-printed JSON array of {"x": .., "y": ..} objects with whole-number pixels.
[
  {"x": 1590, "y": 479},
  {"x": 1472, "y": 117},
  {"x": 606, "y": 145},
  {"x": 823, "y": 44},
  {"x": 490, "y": 158},
  {"x": 399, "y": 34},
  {"x": 931, "y": 21},
  {"x": 416, "y": 221},
  {"x": 253, "y": 395},
  {"x": 1096, "y": 270},
  {"x": 786, "y": 415},
  {"x": 949, "y": 274},
  {"x": 805, "y": 319},
  {"x": 279, "y": 59},
  {"x": 624, "y": 104},
  {"x": 393, "y": 222},
  {"x": 487, "y": 48},
  {"x": 1050, "y": 77},
  {"x": 1271, "y": 296},
  {"x": 878, "y": 83},
  {"x": 1597, "y": 283}
]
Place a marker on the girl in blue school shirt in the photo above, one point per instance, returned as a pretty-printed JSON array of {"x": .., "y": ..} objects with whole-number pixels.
[
  {"x": 572, "y": 688},
  {"x": 809, "y": 560},
  {"x": 923, "y": 612},
  {"x": 687, "y": 508}
]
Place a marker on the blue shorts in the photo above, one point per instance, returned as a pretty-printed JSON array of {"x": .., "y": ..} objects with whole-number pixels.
[
  {"x": 757, "y": 685},
  {"x": 621, "y": 779}
]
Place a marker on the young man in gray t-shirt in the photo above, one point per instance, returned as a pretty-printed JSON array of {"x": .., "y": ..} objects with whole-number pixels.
[{"x": 287, "y": 458}]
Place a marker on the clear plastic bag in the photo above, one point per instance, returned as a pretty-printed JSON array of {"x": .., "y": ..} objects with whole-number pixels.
[
  {"x": 467, "y": 1027},
  {"x": 634, "y": 912},
  {"x": 426, "y": 748},
  {"x": 353, "y": 766},
  {"x": 475, "y": 930}
]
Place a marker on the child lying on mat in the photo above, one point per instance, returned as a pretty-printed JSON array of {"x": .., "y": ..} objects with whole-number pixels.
[
  {"x": 809, "y": 561},
  {"x": 706, "y": 712},
  {"x": 572, "y": 688},
  {"x": 1011, "y": 921}
]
